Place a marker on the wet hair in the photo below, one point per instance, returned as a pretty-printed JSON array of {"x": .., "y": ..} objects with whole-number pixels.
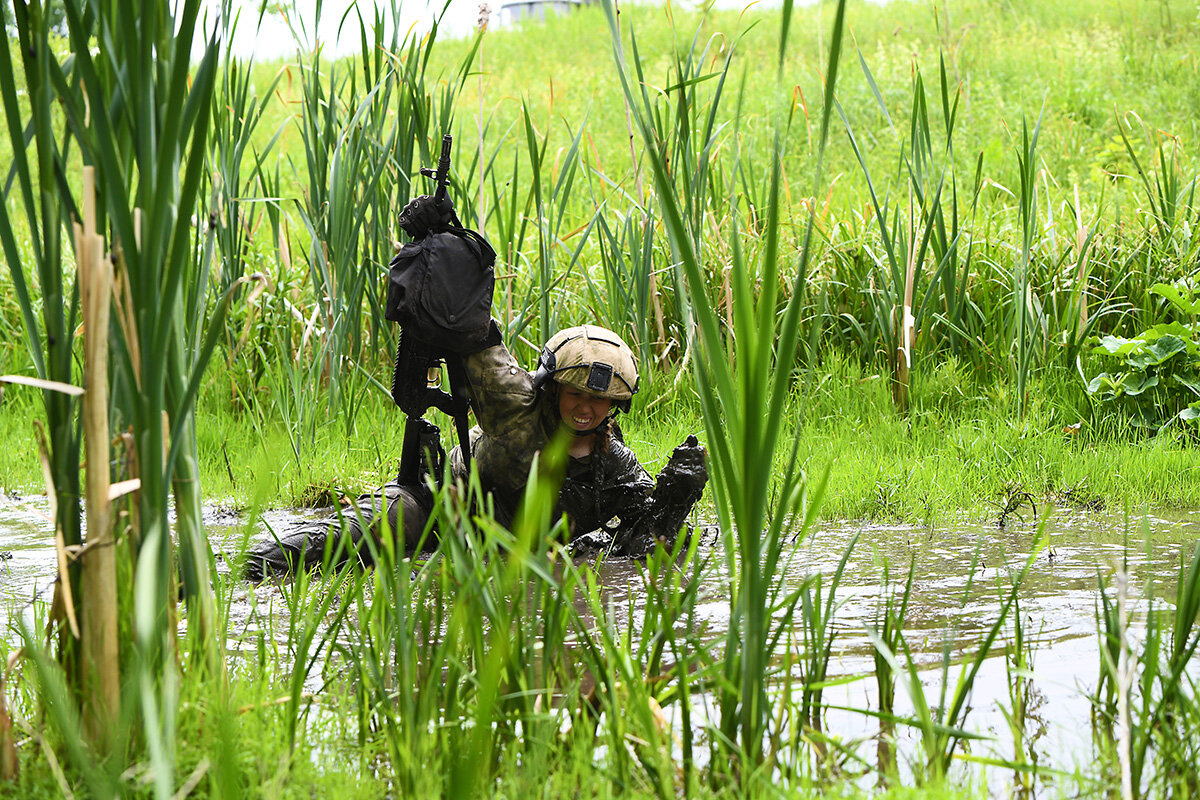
[{"x": 603, "y": 434}]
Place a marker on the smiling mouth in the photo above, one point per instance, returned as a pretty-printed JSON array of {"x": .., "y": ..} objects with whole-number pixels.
[{"x": 581, "y": 421}]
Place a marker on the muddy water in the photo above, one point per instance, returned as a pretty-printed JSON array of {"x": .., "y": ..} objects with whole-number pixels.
[
  {"x": 27, "y": 556},
  {"x": 960, "y": 571},
  {"x": 959, "y": 574}
]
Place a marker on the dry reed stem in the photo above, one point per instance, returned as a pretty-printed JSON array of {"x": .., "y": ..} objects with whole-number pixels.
[
  {"x": 51, "y": 759},
  {"x": 1081, "y": 239},
  {"x": 193, "y": 780},
  {"x": 262, "y": 284},
  {"x": 8, "y": 747},
  {"x": 64, "y": 600},
  {"x": 38, "y": 383},
  {"x": 99, "y": 645}
]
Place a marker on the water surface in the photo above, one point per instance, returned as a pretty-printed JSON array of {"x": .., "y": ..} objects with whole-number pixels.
[{"x": 960, "y": 572}]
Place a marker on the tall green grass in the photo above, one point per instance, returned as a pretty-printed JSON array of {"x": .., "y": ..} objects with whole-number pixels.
[
  {"x": 133, "y": 109},
  {"x": 48, "y": 301},
  {"x": 743, "y": 383},
  {"x": 922, "y": 249}
]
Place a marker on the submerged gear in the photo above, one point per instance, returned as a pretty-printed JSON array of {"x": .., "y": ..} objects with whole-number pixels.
[
  {"x": 592, "y": 359},
  {"x": 351, "y": 534}
]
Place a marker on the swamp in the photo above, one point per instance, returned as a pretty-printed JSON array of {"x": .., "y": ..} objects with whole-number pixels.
[{"x": 921, "y": 278}]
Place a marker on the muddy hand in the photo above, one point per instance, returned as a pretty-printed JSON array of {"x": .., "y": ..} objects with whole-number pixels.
[
  {"x": 686, "y": 470},
  {"x": 676, "y": 490}
]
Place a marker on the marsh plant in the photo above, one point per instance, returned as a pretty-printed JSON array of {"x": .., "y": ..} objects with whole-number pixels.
[
  {"x": 1145, "y": 712},
  {"x": 1153, "y": 378},
  {"x": 941, "y": 721},
  {"x": 888, "y": 630},
  {"x": 125, "y": 107},
  {"x": 743, "y": 441}
]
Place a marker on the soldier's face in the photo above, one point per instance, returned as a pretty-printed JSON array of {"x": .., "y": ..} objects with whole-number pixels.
[{"x": 581, "y": 410}]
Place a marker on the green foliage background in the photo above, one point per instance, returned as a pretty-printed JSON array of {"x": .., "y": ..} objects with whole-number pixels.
[
  {"x": 1055, "y": 144},
  {"x": 1089, "y": 71}
]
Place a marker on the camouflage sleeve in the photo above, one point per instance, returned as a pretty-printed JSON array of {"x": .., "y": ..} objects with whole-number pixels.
[{"x": 502, "y": 394}]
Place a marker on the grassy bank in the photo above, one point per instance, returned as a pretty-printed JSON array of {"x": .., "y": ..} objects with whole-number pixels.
[
  {"x": 958, "y": 452},
  {"x": 921, "y": 210}
]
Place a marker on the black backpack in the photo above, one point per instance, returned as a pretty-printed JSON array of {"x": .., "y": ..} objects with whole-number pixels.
[{"x": 440, "y": 289}]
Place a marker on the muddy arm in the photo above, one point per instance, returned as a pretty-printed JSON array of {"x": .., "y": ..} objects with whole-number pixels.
[{"x": 676, "y": 490}]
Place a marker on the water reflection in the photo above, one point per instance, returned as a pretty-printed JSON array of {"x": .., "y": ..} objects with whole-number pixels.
[
  {"x": 960, "y": 572},
  {"x": 27, "y": 554}
]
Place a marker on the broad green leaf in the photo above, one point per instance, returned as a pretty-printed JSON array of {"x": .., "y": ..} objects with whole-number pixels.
[
  {"x": 1103, "y": 381},
  {"x": 1183, "y": 298},
  {"x": 1176, "y": 329},
  {"x": 1136, "y": 383},
  {"x": 1116, "y": 345},
  {"x": 1154, "y": 354}
]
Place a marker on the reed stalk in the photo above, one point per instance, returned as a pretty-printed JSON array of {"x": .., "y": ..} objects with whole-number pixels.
[
  {"x": 549, "y": 211},
  {"x": 818, "y": 633},
  {"x": 102, "y": 683},
  {"x": 148, "y": 154},
  {"x": 626, "y": 298},
  {"x": 237, "y": 167},
  {"x": 1145, "y": 699},
  {"x": 1168, "y": 196},
  {"x": 1018, "y": 661},
  {"x": 889, "y": 628},
  {"x": 37, "y": 174},
  {"x": 741, "y": 407},
  {"x": 1024, "y": 328},
  {"x": 926, "y": 227}
]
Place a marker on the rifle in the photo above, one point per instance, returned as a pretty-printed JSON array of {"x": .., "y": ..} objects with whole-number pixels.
[
  {"x": 416, "y": 378},
  {"x": 441, "y": 177}
]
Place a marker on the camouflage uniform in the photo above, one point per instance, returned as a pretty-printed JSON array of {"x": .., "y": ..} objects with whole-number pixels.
[
  {"x": 440, "y": 291},
  {"x": 516, "y": 421}
]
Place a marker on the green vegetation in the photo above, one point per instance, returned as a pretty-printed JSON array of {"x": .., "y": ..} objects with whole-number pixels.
[
  {"x": 923, "y": 245},
  {"x": 829, "y": 246}
]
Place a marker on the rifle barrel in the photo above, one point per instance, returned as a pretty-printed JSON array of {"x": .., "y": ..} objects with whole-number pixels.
[{"x": 443, "y": 168}]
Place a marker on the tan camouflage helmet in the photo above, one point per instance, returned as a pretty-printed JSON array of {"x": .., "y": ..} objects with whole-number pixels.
[{"x": 592, "y": 359}]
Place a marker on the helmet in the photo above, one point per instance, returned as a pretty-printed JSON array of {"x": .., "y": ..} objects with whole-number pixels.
[{"x": 592, "y": 359}]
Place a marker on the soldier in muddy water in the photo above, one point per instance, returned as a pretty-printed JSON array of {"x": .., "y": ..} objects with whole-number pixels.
[{"x": 585, "y": 376}]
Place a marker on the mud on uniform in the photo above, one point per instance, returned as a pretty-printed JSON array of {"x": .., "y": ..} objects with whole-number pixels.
[{"x": 516, "y": 421}]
